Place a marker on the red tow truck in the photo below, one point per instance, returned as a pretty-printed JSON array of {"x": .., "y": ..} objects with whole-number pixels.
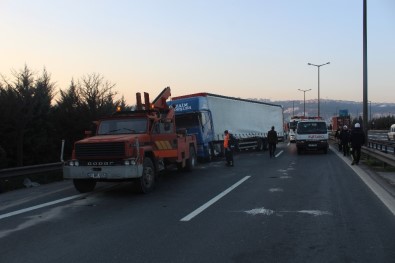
[{"x": 132, "y": 146}]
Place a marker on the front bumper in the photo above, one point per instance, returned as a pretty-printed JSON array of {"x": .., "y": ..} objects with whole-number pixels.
[
  {"x": 312, "y": 145},
  {"x": 120, "y": 172}
]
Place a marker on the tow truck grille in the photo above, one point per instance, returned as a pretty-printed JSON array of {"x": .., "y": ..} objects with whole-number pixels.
[{"x": 99, "y": 150}]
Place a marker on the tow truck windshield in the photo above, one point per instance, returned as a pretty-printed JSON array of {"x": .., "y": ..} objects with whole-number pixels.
[{"x": 122, "y": 126}]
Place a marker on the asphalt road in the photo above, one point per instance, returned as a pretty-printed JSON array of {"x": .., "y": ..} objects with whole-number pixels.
[{"x": 292, "y": 208}]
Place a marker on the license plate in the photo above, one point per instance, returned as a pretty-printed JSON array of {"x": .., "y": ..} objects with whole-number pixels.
[
  {"x": 312, "y": 145},
  {"x": 95, "y": 175}
]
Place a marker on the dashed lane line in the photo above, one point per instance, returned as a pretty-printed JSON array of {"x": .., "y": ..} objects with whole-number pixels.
[
  {"x": 212, "y": 201},
  {"x": 28, "y": 209},
  {"x": 279, "y": 153}
]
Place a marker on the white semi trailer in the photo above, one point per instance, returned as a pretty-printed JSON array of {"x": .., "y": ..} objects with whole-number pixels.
[{"x": 208, "y": 115}]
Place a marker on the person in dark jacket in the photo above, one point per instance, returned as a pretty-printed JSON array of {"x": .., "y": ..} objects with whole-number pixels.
[
  {"x": 337, "y": 137},
  {"x": 344, "y": 137},
  {"x": 272, "y": 140},
  {"x": 357, "y": 138}
]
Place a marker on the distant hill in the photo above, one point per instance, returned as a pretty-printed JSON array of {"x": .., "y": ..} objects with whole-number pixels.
[{"x": 329, "y": 108}]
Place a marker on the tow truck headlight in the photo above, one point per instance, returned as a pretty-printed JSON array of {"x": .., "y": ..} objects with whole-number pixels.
[
  {"x": 74, "y": 163},
  {"x": 130, "y": 162}
]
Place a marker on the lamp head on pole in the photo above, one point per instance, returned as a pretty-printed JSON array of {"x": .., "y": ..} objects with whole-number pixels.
[{"x": 311, "y": 64}]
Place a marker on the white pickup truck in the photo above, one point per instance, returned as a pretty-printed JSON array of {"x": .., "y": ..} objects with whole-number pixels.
[{"x": 311, "y": 135}]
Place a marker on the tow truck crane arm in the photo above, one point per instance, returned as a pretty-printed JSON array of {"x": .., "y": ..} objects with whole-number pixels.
[{"x": 160, "y": 101}]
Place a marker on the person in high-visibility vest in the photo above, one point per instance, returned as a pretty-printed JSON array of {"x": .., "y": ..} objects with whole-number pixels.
[{"x": 228, "y": 149}]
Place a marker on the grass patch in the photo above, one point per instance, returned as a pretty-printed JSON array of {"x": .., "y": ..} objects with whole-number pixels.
[{"x": 378, "y": 165}]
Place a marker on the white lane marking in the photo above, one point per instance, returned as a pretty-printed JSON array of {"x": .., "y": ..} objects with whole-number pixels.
[
  {"x": 276, "y": 190},
  {"x": 314, "y": 212},
  {"x": 277, "y": 155},
  {"x": 381, "y": 193},
  {"x": 260, "y": 211},
  {"x": 33, "y": 220},
  {"x": 268, "y": 212},
  {"x": 212, "y": 201},
  {"x": 34, "y": 195},
  {"x": 28, "y": 209}
]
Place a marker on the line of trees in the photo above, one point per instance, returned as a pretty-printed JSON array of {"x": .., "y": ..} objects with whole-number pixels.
[
  {"x": 382, "y": 123},
  {"x": 33, "y": 123}
]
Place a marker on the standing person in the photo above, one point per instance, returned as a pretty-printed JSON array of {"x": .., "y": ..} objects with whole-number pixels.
[
  {"x": 337, "y": 136},
  {"x": 228, "y": 148},
  {"x": 272, "y": 140},
  {"x": 344, "y": 140},
  {"x": 357, "y": 140}
]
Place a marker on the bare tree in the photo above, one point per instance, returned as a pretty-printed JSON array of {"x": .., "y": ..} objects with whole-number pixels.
[{"x": 97, "y": 95}]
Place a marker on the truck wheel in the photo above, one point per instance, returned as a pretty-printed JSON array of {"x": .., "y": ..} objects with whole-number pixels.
[
  {"x": 84, "y": 185},
  {"x": 191, "y": 162},
  {"x": 260, "y": 145},
  {"x": 210, "y": 153},
  {"x": 299, "y": 150},
  {"x": 326, "y": 150},
  {"x": 265, "y": 145},
  {"x": 146, "y": 182}
]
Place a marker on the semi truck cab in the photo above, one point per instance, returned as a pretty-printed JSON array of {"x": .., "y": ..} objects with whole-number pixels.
[{"x": 194, "y": 115}]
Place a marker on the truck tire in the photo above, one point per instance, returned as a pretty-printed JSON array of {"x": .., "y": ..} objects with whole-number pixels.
[
  {"x": 146, "y": 182},
  {"x": 260, "y": 145},
  {"x": 299, "y": 150},
  {"x": 84, "y": 185},
  {"x": 210, "y": 153},
  {"x": 191, "y": 162},
  {"x": 265, "y": 144}
]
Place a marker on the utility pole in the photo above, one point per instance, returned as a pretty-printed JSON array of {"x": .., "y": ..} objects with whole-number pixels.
[
  {"x": 365, "y": 73},
  {"x": 304, "y": 100}
]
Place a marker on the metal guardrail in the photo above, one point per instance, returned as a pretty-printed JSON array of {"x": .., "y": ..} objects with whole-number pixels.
[
  {"x": 32, "y": 169},
  {"x": 382, "y": 156},
  {"x": 383, "y": 146}
]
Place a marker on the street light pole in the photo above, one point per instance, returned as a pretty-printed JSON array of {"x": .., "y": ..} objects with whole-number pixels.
[
  {"x": 318, "y": 66},
  {"x": 304, "y": 100}
]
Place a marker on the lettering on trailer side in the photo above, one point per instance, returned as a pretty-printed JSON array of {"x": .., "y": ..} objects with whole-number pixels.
[{"x": 182, "y": 106}]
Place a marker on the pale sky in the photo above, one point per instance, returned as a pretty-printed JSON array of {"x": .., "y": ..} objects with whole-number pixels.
[{"x": 243, "y": 48}]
